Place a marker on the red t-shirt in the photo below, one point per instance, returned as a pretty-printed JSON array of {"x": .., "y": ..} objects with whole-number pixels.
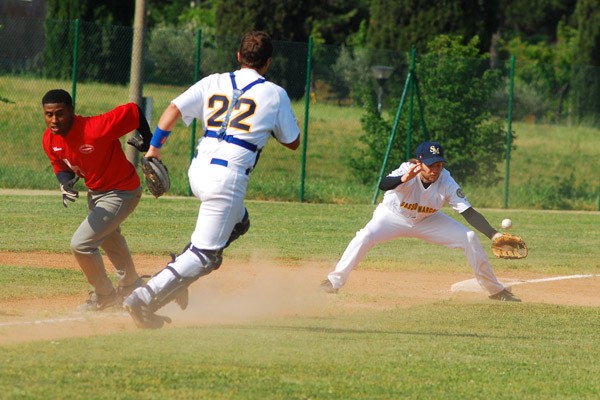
[{"x": 93, "y": 151}]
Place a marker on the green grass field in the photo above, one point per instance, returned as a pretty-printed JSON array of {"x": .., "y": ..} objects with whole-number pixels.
[
  {"x": 447, "y": 349},
  {"x": 553, "y": 167}
]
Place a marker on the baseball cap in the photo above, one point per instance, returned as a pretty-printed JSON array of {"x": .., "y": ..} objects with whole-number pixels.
[{"x": 430, "y": 152}]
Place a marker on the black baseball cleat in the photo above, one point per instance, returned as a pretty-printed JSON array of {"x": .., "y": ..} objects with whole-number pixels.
[
  {"x": 141, "y": 314},
  {"x": 505, "y": 295},
  {"x": 327, "y": 287}
]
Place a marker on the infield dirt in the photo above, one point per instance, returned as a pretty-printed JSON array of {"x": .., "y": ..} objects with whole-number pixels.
[{"x": 257, "y": 290}]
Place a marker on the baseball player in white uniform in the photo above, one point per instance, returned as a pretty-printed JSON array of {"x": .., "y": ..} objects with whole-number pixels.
[
  {"x": 415, "y": 193},
  {"x": 239, "y": 111}
]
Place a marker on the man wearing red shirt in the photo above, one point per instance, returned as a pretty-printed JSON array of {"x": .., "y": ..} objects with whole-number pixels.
[{"x": 89, "y": 148}]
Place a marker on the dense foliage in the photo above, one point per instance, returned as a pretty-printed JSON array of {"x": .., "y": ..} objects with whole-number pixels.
[
  {"x": 400, "y": 24},
  {"x": 455, "y": 84},
  {"x": 556, "y": 44},
  {"x": 587, "y": 53},
  {"x": 104, "y": 42},
  {"x": 328, "y": 20}
]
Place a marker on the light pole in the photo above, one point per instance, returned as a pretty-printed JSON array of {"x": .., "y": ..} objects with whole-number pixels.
[{"x": 381, "y": 73}]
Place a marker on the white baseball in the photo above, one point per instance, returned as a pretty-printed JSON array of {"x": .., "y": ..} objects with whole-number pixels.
[{"x": 506, "y": 223}]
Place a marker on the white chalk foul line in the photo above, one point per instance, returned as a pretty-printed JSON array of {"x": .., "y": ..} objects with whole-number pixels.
[
  {"x": 471, "y": 285},
  {"x": 557, "y": 278},
  {"x": 58, "y": 320}
]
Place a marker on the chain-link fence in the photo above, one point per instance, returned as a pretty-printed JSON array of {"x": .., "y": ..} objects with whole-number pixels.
[{"x": 555, "y": 113}]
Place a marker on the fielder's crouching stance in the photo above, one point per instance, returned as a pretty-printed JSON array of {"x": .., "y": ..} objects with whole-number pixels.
[
  {"x": 415, "y": 193},
  {"x": 240, "y": 111}
]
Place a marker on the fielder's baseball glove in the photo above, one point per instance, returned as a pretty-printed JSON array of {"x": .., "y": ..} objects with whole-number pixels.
[
  {"x": 156, "y": 175},
  {"x": 506, "y": 245}
]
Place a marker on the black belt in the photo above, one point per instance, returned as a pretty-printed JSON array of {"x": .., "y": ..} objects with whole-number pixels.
[
  {"x": 232, "y": 140},
  {"x": 225, "y": 163}
]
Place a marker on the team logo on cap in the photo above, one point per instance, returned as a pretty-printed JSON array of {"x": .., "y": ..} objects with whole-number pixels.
[{"x": 434, "y": 150}]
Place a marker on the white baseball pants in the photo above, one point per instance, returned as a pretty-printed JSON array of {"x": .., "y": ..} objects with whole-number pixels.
[
  {"x": 222, "y": 190},
  {"x": 437, "y": 228}
]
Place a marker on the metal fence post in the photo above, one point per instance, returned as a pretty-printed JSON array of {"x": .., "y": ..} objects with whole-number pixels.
[
  {"x": 306, "y": 110},
  {"x": 509, "y": 129},
  {"x": 74, "y": 65},
  {"x": 196, "y": 78},
  {"x": 410, "y": 102},
  {"x": 408, "y": 82}
]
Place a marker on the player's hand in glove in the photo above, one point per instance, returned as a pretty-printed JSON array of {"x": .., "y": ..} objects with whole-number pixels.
[
  {"x": 156, "y": 175},
  {"x": 68, "y": 193},
  {"x": 136, "y": 140},
  {"x": 505, "y": 245},
  {"x": 141, "y": 138}
]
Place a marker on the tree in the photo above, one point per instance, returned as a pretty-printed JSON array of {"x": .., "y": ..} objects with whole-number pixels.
[
  {"x": 336, "y": 21},
  {"x": 104, "y": 46},
  {"x": 400, "y": 24},
  {"x": 366, "y": 160},
  {"x": 66, "y": 9},
  {"x": 534, "y": 19},
  {"x": 455, "y": 83},
  {"x": 282, "y": 19},
  {"x": 167, "y": 13},
  {"x": 543, "y": 73},
  {"x": 586, "y": 79},
  {"x": 331, "y": 21},
  {"x": 113, "y": 12},
  {"x": 187, "y": 14}
]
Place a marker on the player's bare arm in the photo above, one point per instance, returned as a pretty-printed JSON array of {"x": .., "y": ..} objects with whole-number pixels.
[
  {"x": 153, "y": 152},
  {"x": 166, "y": 123},
  {"x": 293, "y": 145}
]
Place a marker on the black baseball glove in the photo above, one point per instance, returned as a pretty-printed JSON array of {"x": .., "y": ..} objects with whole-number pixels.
[
  {"x": 141, "y": 138},
  {"x": 156, "y": 175},
  {"x": 137, "y": 140}
]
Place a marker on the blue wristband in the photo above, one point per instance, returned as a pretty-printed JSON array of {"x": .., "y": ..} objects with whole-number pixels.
[{"x": 159, "y": 137}]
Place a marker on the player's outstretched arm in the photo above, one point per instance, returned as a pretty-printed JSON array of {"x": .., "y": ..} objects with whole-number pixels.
[{"x": 479, "y": 222}]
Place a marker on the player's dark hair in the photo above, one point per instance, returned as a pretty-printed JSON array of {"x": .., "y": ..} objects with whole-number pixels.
[
  {"x": 255, "y": 49},
  {"x": 57, "y": 96}
]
